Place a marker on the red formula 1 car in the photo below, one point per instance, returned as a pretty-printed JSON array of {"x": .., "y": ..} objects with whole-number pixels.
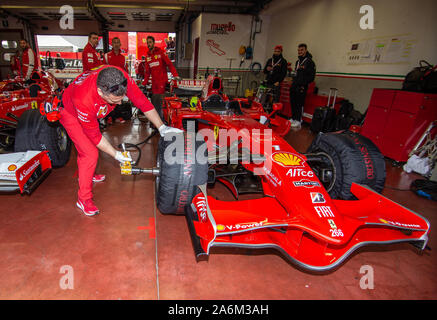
[
  {"x": 22, "y": 126},
  {"x": 316, "y": 208}
]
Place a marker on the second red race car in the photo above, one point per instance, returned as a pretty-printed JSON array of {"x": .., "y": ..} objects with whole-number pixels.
[{"x": 23, "y": 127}]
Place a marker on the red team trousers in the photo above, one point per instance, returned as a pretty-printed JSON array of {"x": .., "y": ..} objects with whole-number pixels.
[{"x": 87, "y": 154}]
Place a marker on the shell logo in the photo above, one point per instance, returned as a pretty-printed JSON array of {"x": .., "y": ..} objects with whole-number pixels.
[
  {"x": 220, "y": 227},
  {"x": 287, "y": 159},
  {"x": 12, "y": 167}
]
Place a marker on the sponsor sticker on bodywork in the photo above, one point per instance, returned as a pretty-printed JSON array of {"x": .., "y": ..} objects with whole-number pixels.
[
  {"x": 306, "y": 184},
  {"x": 288, "y": 159}
]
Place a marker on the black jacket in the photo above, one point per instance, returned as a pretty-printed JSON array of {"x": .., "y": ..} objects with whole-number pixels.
[
  {"x": 306, "y": 72},
  {"x": 279, "y": 71}
]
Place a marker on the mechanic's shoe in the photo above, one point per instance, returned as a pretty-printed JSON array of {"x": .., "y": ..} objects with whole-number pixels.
[
  {"x": 99, "y": 178},
  {"x": 121, "y": 120},
  {"x": 88, "y": 207}
]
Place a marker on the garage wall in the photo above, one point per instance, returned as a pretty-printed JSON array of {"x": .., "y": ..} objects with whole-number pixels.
[
  {"x": 215, "y": 48},
  {"x": 329, "y": 27}
]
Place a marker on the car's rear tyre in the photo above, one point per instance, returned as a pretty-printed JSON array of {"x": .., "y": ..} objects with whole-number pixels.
[
  {"x": 353, "y": 158},
  {"x": 176, "y": 185},
  {"x": 34, "y": 132}
]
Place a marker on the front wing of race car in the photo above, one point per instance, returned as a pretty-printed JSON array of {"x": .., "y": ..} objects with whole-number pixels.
[
  {"x": 264, "y": 223},
  {"x": 24, "y": 171}
]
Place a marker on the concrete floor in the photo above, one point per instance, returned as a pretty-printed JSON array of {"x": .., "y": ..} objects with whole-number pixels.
[{"x": 131, "y": 251}]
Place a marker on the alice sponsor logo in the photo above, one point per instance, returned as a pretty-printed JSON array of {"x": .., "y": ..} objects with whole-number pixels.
[{"x": 300, "y": 173}]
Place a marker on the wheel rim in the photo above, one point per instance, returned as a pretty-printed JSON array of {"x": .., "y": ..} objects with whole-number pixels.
[
  {"x": 62, "y": 139},
  {"x": 324, "y": 168}
]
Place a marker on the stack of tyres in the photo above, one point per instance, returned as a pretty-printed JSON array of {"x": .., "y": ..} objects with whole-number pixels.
[{"x": 324, "y": 117}]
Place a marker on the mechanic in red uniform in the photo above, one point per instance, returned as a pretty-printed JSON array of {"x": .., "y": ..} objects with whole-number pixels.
[
  {"x": 156, "y": 66},
  {"x": 91, "y": 96},
  {"x": 29, "y": 60},
  {"x": 90, "y": 57},
  {"x": 114, "y": 57}
]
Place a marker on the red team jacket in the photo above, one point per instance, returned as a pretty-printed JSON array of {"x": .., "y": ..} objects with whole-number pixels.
[
  {"x": 156, "y": 65},
  {"x": 29, "y": 62},
  {"x": 118, "y": 60},
  {"x": 90, "y": 58},
  {"x": 82, "y": 101}
]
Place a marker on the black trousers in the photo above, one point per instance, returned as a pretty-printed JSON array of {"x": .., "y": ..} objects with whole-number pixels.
[
  {"x": 297, "y": 101},
  {"x": 157, "y": 100}
]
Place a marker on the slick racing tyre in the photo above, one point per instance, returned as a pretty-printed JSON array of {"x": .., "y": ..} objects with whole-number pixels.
[
  {"x": 180, "y": 173},
  {"x": 34, "y": 132},
  {"x": 351, "y": 158}
]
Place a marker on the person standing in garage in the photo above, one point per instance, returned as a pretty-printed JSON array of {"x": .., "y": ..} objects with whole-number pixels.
[
  {"x": 275, "y": 71},
  {"x": 90, "y": 57},
  {"x": 29, "y": 60},
  {"x": 156, "y": 66},
  {"x": 114, "y": 57},
  {"x": 304, "y": 73},
  {"x": 91, "y": 96}
]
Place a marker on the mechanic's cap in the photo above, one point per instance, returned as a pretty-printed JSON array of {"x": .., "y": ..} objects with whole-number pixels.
[{"x": 278, "y": 47}]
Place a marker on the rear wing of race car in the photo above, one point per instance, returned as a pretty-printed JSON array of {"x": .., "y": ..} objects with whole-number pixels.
[
  {"x": 24, "y": 171},
  {"x": 187, "y": 87}
]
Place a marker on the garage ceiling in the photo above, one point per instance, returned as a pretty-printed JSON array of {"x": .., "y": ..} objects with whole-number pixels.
[{"x": 110, "y": 11}]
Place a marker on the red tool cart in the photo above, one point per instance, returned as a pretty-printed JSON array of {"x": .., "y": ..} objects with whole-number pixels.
[{"x": 396, "y": 120}]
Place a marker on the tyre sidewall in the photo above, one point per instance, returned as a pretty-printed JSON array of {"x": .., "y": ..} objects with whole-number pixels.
[{"x": 178, "y": 180}]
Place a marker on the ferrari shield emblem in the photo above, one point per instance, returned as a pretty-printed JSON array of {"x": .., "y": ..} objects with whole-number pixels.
[{"x": 102, "y": 110}]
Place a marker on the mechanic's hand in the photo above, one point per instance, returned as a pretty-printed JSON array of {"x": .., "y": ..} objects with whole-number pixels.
[
  {"x": 122, "y": 158},
  {"x": 163, "y": 130},
  {"x": 177, "y": 78}
]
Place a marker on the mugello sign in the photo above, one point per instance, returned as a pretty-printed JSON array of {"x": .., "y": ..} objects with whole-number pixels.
[{"x": 221, "y": 28}]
